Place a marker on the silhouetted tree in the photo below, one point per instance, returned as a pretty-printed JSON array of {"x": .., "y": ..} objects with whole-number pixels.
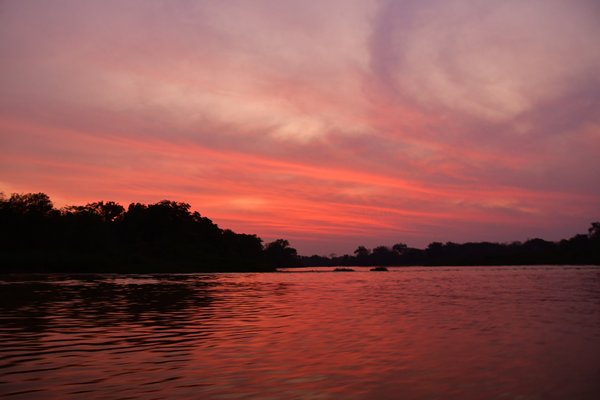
[
  {"x": 27, "y": 221},
  {"x": 594, "y": 243},
  {"x": 594, "y": 230},
  {"x": 109, "y": 211},
  {"x": 362, "y": 255},
  {"x": 167, "y": 236},
  {"x": 38, "y": 204},
  {"x": 382, "y": 255},
  {"x": 400, "y": 248},
  {"x": 279, "y": 253},
  {"x": 102, "y": 236},
  {"x": 362, "y": 251}
]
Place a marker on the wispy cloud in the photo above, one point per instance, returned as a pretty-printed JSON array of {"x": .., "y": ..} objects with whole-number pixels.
[{"x": 331, "y": 124}]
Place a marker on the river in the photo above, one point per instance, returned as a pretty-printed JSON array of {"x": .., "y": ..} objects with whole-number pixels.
[{"x": 409, "y": 333}]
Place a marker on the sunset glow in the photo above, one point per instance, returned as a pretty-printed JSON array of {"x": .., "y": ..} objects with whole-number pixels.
[{"x": 332, "y": 124}]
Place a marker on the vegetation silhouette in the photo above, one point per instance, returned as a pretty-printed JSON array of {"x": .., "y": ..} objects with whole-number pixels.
[
  {"x": 168, "y": 237},
  {"x": 578, "y": 250},
  {"x": 104, "y": 237}
]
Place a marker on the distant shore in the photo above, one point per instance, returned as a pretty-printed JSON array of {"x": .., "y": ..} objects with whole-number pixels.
[{"x": 168, "y": 237}]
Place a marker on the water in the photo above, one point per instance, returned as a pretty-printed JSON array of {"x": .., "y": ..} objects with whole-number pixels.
[{"x": 410, "y": 333}]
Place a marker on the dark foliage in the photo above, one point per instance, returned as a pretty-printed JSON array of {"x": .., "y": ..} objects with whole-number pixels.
[
  {"x": 169, "y": 237},
  {"x": 161, "y": 237},
  {"x": 580, "y": 249},
  {"x": 280, "y": 253}
]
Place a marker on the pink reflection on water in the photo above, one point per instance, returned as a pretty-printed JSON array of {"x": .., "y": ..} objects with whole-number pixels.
[{"x": 413, "y": 333}]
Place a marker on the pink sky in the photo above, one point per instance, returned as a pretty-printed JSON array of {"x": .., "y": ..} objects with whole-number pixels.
[{"x": 331, "y": 123}]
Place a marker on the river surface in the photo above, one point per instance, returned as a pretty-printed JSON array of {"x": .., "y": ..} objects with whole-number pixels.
[{"x": 410, "y": 333}]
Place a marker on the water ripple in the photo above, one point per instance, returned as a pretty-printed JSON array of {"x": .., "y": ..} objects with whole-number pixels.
[{"x": 450, "y": 332}]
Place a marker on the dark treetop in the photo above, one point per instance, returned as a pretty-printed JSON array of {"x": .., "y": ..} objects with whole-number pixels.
[
  {"x": 580, "y": 249},
  {"x": 103, "y": 236},
  {"x": 168, "y": 237}
]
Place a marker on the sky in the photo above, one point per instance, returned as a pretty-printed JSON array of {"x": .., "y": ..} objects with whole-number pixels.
[{"x": 332, "y": 123}]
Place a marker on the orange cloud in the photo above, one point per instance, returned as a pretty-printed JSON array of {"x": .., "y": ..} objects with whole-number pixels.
[{"x": 387, "y": 122}]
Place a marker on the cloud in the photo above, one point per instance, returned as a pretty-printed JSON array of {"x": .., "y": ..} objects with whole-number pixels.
[
  {"x": 375, "y": 122},
  {"x": 487, "y": 60},
  {"x": 258, "y": 66}
]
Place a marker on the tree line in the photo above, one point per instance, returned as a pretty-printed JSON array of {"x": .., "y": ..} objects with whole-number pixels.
[
  {"x": 579, "y": 249},
  {"x": 104, "y": 236},
  {"x": 168, "y": 237}
]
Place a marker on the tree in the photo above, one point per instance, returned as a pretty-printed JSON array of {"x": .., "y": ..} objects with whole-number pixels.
[
  {"x": 279, "y": 253},
  {"x": 109, "y": 211},
  {"x": 28, "y": 222},
  {"x": 435, "y": 248},
  {"x": 361, "y": 252},
  {"x": 400, "y": 248},
  {"x": 382, "y": 255},
  {"x": 594, "y": 230},
  {"x": 30, "y": 204}
]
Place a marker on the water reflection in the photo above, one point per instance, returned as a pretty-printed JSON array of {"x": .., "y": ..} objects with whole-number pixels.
[{"x": 412, "y": 333}]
